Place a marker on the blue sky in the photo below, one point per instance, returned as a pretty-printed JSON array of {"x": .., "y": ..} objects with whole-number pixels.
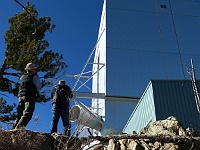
[{"x": 75, "y": 35}]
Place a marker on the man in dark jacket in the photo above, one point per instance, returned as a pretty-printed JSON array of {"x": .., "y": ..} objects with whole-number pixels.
[
  {"x": 60, "y": 106},
  {"x": 28, "y": 91}
]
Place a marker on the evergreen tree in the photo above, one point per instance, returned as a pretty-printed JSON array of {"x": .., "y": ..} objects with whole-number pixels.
[
  {"x": 6, "y": 113},
  {"x": 25, "y": 43}
]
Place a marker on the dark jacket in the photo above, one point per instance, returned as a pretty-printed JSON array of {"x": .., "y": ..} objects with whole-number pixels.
[
  {"x": 27, "y": 86},
  {"x": 67, "y": 88}
]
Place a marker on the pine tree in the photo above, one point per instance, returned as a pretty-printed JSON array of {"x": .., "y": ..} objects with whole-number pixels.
[
  {"x": 25, "y": 43},
  {"x": 6, "y": 113}
]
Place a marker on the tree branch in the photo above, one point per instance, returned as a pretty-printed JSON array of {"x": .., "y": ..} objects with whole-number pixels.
[
  {"x": 6, "y": 79},
  {"x": 160, "y": 137},
  {"x": 3, "y": 68},
  {"x": 12, "y": 74}
]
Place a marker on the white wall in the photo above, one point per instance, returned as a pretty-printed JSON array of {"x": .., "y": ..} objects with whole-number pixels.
[{"x": 99, "y": 79}]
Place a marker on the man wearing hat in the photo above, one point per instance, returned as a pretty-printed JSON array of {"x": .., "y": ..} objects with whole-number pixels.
[
  {"x": 60, "y": 106},
  {"x": 28, "y": 91}
]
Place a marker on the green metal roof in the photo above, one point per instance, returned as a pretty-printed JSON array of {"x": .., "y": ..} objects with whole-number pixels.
[{"x": 164, "y": 98}]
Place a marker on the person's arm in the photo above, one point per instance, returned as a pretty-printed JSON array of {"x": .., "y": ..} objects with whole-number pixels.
[{"x": 36, "y": 81}]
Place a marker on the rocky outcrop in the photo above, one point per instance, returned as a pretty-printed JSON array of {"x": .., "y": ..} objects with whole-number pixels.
[
  {"x": 170, "y": 126},
  {"x": 28, "y": 140},
  {"x": 24, "y": 139},
  {"x": 165, "y": 134},
  {"x": 160, "y": 135}
]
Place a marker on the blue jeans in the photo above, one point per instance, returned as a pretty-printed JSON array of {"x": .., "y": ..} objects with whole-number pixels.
[{"x": 62, "y": 112}]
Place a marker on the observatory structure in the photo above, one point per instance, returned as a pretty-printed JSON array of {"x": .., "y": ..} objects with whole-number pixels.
[{"x": 139, "y": 41}]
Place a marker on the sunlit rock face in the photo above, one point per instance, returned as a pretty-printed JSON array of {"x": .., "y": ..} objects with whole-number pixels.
[{"x": 169, "y": 131}]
